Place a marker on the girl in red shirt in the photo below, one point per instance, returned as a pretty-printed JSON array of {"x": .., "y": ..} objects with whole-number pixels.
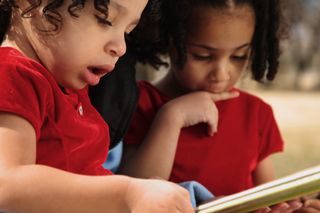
[
  {"x": 52, "y": 141},
  {"x": 193, "y": 124}
]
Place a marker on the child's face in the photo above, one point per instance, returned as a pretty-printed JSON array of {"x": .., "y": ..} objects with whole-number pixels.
[
  {"x": 218, "y": 48},
  {"x": 83, "y": 50}
]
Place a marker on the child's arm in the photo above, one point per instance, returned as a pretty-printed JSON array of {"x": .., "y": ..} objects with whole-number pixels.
[
  {"x": 155, "y": 156},
  {"x": 26, "y": 187},
  {"x": 263, "y": 172}
]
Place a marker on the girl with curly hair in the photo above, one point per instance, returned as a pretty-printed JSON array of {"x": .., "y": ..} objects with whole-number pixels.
[
  {"x": 194, "y": 124},
  {"x": 52, "y": 141}
]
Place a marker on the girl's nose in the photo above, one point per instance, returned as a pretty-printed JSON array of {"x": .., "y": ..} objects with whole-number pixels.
[
  {"x": 116, "y": 47},
  {"x": 220, "y": 71}
]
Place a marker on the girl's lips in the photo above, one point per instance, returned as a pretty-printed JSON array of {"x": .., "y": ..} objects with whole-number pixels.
[
  {"x": 93, "y": 74},
  {"x": 217, "y": 87}
]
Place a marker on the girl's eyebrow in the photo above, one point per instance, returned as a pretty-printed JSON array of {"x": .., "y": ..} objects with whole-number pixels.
[{"x": 215, "y": 49}]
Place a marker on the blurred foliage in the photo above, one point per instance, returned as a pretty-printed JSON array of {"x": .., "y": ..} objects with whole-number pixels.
[{"x": 301, "y": 52}]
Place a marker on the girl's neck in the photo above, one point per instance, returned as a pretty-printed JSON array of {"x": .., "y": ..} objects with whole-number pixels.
[{"x": 169, "y": 86}]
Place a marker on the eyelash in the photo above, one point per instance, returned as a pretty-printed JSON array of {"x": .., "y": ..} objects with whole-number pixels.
[
  {"x": 201, "y": 58},
  {"x": 103, "y": 21},
  {"x": 240, "y": 58},
  {"x": 208, "y": 58}
]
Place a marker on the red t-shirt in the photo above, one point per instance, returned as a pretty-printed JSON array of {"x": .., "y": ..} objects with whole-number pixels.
[
  {"x": 247, "y": 133},
  {"x": 70, "y": 133}
]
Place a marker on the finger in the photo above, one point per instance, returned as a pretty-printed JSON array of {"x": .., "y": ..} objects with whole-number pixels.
[
  {"x": 262, "y": 210},
  {"x": 212, "y": 128},
  {"x": 189, "y": 209},
  {"x": 281, "y": 207},
  {"x": 179, "y": 209},
  {"x": 213, "y": 124},
  {"x": 185, "y": 206},
  {"x": 225, "y": 96},
  {"x": 313, "y": 203},
  {"x": 156, "y": 178},
  {"x": 295, "y": 204},
  {"x": 307, "y": 210}
]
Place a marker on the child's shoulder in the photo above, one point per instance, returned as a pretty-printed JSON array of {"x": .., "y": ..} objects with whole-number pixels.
[
  {"x": 13, "y": 64},
  {"x": 145, "y": 85},
  {"x": 146, "y": 88},
  {"x": 11, "y": 56},
  {"x": 21, "y": 74},
  {"x": 150, "y": 95}
]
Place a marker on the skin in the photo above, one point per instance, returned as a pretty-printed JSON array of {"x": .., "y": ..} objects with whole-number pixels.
[
  {"x": 27, "y": 187},
  {"x": 310, "y": 205}
]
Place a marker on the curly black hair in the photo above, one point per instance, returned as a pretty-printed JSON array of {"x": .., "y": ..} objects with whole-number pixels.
[
  {"x": 171, "y": 29},
  {"x": 49, "y": 12},
  {"x": 151, "y": 14}
]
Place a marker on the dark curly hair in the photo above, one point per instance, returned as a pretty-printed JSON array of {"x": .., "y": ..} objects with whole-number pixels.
[
  {"x": 171, "y": 29},
  {"x": 49, "y": 12}
]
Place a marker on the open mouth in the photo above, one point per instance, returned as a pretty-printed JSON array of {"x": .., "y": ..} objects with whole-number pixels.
[
  {"x": 100, "y": 70},
  {"x": 97, "y": 71},
  {"x": 93, "y": 74}
]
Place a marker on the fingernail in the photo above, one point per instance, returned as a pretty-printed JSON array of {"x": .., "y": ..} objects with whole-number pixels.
[
  {"x": 236, "y": 93},
  {"x": 267, "y": 209}
]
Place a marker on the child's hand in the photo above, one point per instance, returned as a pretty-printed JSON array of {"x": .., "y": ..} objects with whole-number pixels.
[
  {"x": 310, "y": 205},
  {"x": 157, "y": 196},
  {"x": 285, "y": 207},
  {"x": 198, "y": 107}
]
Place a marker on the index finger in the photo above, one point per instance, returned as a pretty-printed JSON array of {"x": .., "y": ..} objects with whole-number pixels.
[{"x": 224, "y": 96}]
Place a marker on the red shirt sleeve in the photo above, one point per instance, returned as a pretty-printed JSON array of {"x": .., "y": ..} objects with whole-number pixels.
[
  {"x": 271, "y": 140},
  {"x": 24, "y": 91}
]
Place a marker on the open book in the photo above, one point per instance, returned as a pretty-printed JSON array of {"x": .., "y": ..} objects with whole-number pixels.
[{"x": 283, "y": 189}]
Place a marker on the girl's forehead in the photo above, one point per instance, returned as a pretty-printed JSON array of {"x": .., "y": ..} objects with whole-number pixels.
[
  {"x": 205, "y": 15},
  {"x": 222, "y": 29}
]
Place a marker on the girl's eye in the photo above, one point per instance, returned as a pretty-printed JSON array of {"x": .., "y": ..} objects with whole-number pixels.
[
  {"x": 240, "y": 57},
  {"x": 202, "y": 57},
  {"x": 103, "y": 21}
]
